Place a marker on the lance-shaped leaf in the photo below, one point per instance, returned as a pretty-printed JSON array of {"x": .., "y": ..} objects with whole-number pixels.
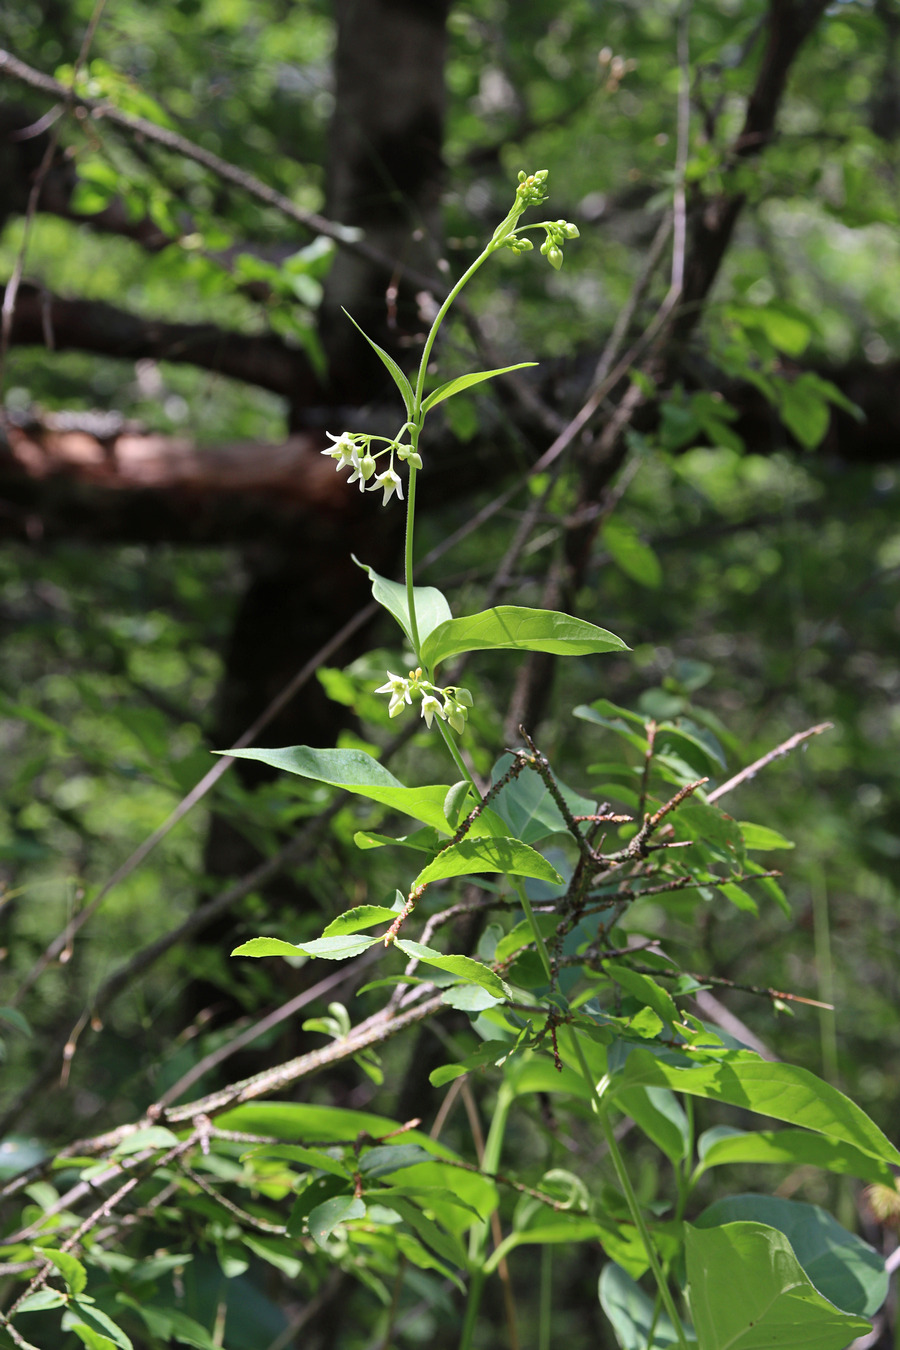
[
  {"x": 488, "y": 855},
  {"x": 724, "y": 1146},
  {"x": 472, "y": 972},
  {"x": 466, "y": 381},
  {"x": 339, "y": 948},
  {"x": 784, "y": 1091},
  {"x": 514, "y": 628},
  {"x": 356, "y": 771},
  {"x": 431, "y": 606},
  {"x": 400, "y": 380}
]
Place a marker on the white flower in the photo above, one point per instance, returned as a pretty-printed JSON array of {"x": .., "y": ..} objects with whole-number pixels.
[
  {"x": 343, "y": 450},
  {"x": 398, "y": 688},
  {"x": 391, "y": 482},
  {"x": 430, "y": 706}
]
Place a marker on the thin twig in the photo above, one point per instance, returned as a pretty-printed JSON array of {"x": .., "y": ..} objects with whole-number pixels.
[
  {"x": 342, "y": 235},
  {"x": 753, "y": 769}
]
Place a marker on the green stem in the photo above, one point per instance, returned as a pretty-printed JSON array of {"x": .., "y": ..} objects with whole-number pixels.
[
  {"x": 435, "y": 327},
  {"x": 545, "y": 1311},
  {"x": 630, "y": 1197},
  {"x": 478, "y": 1234},
  {"x": 536, "y": 933},
  {"x": 457, "y": 757},
  {"x": 410, "y": 529}
]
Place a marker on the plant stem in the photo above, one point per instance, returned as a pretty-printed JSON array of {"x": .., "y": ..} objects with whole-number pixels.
[
  {"x": 630, "y": 1197},
  {"x": 545, "y": 1310},
  {"x": 478, "y": 1234},
  {"x": 457, "y": 757},
  {"x": 538, "y": 936},
  {"x": 410, "y": 529}
]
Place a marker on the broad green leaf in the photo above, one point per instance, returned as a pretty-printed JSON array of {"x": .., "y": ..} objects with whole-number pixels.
[
  {"x": 782, "y": 1091},
  {"x": 761, "y": 837},
  {"x": 796, "y": 1148},
  {"x": 645, "y": 990},
  {"x": 748, "y": 1291},
  {"x": 849, "y": 1272},
  {"x": 431, "y": 606},
  {"x": 72, "y": 1271},
  {"x": 464, "y": 967},
  {"x": 629, "y": 552},
  {"x": 633, "y": 1315},
  {"x": 325, "y": 1218},
  {"x": 466, "y": 381},
  {"x": 659, "y": 1114},
  {"x": 313, "y": 1157},
  {"x": 522, "y": 934},
  {"x": 400, "y": 380},
  {"x": 329, "y": 949},
  {"x": 359, "y": 918},
  {"x": 358, "y": 772},
  {"x": 527, "y": 806},
  {"x": 513, "y": 628},
  {"x": 509, "y": 856}
]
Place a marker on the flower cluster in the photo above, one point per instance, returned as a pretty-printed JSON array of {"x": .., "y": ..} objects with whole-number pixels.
[
  {"x": 353, "y": 450},
  {"x": 558, "y": 231},
  {"x": 451, "y": 704}
]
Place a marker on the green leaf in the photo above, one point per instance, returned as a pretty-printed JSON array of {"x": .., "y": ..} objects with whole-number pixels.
[
  {"x": 445, "y": 1244},
  {"x": 489, "y": 1052},
  {"x": 170, "y": 1324},
  {"x": 804, "y": 409},
  {"x": 14, "y": 1018},
  {"x": 91, "y": 1313},
  {"x": 559, "y": 1226},
  {"x": 42, "y": 1300},
  {"x": 795, "y": 1148},
  {"x": 358, "y": 772},
  {"x": 513, "y": 628},
  {"x": 626, "y": 724},
  {"x": 783, "y": 1091},
  {"x": 155, "y": 1136},
  {"x": 400, "y": 380},
  {"x": 386, "y": 1159},
  {"x": 469, "y": 998},
  {"x": 748, "y": 1291},
  {"x": 629, "y": 552},
  {"x": 467, "y": 970},
  {"x": 760, "y": 837},
  {"x": 633, "y": 1314},
  {"x": 509, "y": 856},
  {"x": 465, "y": 382},
  {"x": 849, "y": 1272},
  {"x": 72, "y": 1271},
  {"x": 94, "y": 1340},
  {"x": 431, "y": 606},
  {"x": 646, "y": 991},
  {"x": 325, "y": 1218},
  {"x": 359, "y": 918},
  {"x": 329, "y": 949},
  {"x": 659, "y": 1114},
  {"x": 528, "y": 808}
]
